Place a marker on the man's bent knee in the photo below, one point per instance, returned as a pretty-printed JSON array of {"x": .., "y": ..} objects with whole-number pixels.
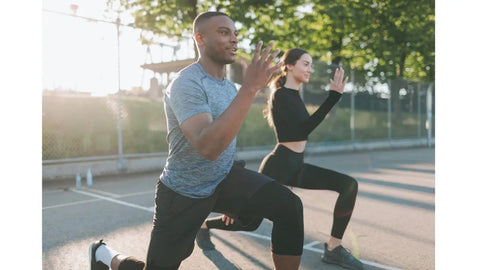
[{"x": 287, "y": 234}]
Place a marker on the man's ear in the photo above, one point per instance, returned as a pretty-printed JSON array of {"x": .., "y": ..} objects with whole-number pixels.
[{"x": 199, "y": 38}]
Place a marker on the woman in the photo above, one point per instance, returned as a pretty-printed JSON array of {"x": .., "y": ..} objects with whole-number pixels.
[{"x": 292, "y": 124}]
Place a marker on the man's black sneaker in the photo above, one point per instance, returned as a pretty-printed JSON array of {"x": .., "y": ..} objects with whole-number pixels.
[
  {"x": 203, "y": 239},
  {"x": 94, "y": 265},
  {"x": 340, "y": 256}
]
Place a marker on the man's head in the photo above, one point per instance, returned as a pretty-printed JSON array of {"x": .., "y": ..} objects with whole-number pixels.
[{"x": 216, "y": 37}]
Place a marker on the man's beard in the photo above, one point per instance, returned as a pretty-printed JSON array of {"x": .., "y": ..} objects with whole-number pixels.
[{"x": 217, "y": 57}]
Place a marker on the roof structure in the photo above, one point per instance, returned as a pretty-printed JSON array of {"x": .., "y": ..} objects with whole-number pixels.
[{"x": 168, "y": 67}]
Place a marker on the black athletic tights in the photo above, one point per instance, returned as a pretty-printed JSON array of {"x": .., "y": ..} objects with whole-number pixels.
[{"x": 287, "y": 167}]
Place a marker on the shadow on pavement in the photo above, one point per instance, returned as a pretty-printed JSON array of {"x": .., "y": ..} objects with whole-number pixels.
[{"x": 232, "y": 246}]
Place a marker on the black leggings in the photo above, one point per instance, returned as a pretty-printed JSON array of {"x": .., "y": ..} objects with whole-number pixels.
[
  {"x": 288, "y": 168},
  {"x": 275, "y": 203}
]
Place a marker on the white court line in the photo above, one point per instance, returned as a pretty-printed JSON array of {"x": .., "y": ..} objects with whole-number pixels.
[
  {"x": 307, "y": 247},
  {"x": 148, "y": 209},
  {"x": 52, "y": 191},
  {"x": 69, "y": 204},
  {"x": 255, "y": 235},
  {"x": 113, "y": 195},
  {"x": 152, "y": 192},
  {"x": 94, "y": 200}
]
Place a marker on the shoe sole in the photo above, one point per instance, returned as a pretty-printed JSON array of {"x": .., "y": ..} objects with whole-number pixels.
[
  {"x": 91, "y": 255},
  {"x": 90, "y": 249},
  {"x": 326, "y": 260}
]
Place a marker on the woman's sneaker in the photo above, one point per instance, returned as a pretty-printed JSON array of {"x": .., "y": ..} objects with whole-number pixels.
[{"x": 340, "y": 256}]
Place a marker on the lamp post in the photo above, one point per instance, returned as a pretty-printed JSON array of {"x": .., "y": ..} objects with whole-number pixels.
[{"x": 121, "y": 164}]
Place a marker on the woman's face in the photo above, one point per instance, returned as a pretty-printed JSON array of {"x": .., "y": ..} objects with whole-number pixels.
[{"x": 302, "y": 69}]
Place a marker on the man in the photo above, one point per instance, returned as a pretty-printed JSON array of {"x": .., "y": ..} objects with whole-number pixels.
[{"x": 204, "y": 113}]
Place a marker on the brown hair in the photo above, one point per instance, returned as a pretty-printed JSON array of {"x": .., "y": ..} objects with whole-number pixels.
[{"x": 289, "y": 58}]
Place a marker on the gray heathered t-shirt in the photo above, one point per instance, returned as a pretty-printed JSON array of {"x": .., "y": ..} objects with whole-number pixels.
[{"x": 194, "y": 91}]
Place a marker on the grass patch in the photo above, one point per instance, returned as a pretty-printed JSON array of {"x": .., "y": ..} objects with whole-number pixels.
[{"x": 87, "y": 126}]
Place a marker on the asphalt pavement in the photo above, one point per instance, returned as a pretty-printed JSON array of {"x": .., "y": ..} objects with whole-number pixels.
[{"x": 392, "y": 227}]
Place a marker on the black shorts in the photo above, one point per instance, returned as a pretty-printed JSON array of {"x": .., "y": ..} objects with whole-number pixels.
[{"x": 177, "y": 218}]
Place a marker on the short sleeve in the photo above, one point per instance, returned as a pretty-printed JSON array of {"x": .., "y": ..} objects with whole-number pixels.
[{"x": 187, "y": 98}]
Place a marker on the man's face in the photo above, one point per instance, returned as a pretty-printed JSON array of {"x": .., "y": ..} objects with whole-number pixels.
[{"x": 219, "y": 39}]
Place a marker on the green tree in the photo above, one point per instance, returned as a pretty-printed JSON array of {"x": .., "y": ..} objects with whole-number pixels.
[
  {"x": 387, "y": 39},
  {"x": 402, "y": 39},
  {"x": 400, "y": 34},
  {"x": 166, "y": 18}
]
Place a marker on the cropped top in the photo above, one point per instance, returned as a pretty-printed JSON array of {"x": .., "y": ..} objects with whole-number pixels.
[{"x": 292, "y": 122}]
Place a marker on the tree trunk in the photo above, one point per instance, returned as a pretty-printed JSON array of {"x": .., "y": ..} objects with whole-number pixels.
[{"x": 397, "y": 84}]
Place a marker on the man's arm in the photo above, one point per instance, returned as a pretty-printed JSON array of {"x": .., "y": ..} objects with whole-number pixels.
[{"x": 210, "y": 138}]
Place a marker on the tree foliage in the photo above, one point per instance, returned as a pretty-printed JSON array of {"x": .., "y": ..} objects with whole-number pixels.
[{"x": 381, "y": 38}]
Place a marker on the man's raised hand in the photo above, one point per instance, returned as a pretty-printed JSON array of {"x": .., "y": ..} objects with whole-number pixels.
[{"x": 260, "y": 70}]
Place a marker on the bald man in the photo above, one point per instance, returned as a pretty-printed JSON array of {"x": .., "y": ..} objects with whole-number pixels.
[{"x": 204, "y": 113}]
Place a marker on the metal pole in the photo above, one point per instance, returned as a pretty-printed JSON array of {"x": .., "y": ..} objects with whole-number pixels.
[
  {"x": 352, "y": 108},
  {"x": 121, "y": 165},
  {"x": 429, "y": 115},
  {"x": 389, "y": 110},
  {"x": 419, "y": 115}
]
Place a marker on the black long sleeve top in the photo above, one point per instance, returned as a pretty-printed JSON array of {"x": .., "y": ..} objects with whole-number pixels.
[{"x": 292, "y": 122}]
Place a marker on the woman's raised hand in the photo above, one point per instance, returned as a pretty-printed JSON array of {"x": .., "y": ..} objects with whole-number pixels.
[{"x": 336, "y": 83}]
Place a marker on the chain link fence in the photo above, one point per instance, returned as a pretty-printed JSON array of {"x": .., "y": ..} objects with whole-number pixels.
[{"x": 79, "y": 126}]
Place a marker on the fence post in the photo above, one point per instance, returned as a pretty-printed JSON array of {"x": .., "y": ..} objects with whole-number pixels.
[
  {"x": 429, "y": 115},
  {"x": 121, "y": 165},
  {"x": 352, "y": 108},
  {"x": 389, "y": 110},
  {"x": 419, "y": 115}
]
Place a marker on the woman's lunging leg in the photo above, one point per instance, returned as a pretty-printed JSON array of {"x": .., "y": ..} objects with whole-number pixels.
[{"x": 313, "y": 177}]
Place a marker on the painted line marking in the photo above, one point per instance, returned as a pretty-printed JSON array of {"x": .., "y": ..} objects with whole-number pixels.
[
  {"x": 148, "y": 209},
  {"x": 70, "y": 204},
  {"x": 255, "y": 235},
  {"x": 94, "y": 200},
  {"x": 113, "y": 195},
  {"x": 307, "y": 247},
  {"x": 311, "y": 245}
]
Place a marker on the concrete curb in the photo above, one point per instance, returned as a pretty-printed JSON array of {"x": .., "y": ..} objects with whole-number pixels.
[{"x": 100, "y": 166}]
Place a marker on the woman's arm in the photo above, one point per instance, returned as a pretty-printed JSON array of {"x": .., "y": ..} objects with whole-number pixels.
[{"x": 336, "y": 90}]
